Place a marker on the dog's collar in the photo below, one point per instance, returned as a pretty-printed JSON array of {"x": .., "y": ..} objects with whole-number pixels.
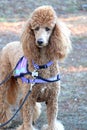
[
  {"x": 37, "y": 67},
  {"x": 21, "y": 70}
]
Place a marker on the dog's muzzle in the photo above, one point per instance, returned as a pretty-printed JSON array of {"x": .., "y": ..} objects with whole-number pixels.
[{"x": 40, "y": 42}]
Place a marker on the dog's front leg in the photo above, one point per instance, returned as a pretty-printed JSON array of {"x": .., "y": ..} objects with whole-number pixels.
[
  {"x": 27, "y": 110},
  {"x": 52, "y": 111}
]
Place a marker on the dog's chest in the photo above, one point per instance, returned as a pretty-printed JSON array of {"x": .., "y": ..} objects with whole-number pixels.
[{"x": 42, "y": 93}]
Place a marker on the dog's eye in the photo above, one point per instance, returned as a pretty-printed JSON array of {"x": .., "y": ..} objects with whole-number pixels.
[
  {"x": 37, "y": 28},
  {"x": 47, "y": 29}
]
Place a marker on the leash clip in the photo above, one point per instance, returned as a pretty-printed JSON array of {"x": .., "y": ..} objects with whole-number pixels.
[{"x": 34, "y": 73}]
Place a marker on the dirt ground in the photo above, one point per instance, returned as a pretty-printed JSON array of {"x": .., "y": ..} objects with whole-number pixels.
[{"x": 73, "y": 96}]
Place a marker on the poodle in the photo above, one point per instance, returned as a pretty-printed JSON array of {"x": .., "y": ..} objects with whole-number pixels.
[{"x": 44, "y": 38}]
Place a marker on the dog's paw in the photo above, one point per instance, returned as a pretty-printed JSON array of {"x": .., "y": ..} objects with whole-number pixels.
[
  {"x": 58, "y": 126},
  {"x": 21, "y": 127},
  {"x": 45, "y": 127}
]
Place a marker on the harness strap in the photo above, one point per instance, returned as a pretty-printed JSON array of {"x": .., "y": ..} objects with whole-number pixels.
[
  {"x": 39, "y": 79},
  {"x": 36, "y": 66},
  {"x": 21, "y": 68}
]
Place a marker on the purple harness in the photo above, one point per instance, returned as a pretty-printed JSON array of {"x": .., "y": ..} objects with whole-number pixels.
[{"x": 21, "y": 70}]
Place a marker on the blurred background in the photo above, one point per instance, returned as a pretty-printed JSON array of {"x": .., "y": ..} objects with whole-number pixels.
[{"x": 73, "y": 96}]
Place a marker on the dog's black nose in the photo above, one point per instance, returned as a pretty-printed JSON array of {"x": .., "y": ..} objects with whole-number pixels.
[{"x": 40, "y": 41}]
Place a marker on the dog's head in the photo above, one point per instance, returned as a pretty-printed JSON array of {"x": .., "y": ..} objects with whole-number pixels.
[
  {"x": 42, "y": 30},
  {"x": 43, "y": 21}
]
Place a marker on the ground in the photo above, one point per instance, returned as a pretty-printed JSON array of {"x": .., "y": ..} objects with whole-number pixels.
[{"x": 72, "y": 100}]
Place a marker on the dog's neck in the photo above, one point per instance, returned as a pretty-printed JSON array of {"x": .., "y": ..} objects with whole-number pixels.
[
  {"x": 42, "y": 56},
  {"x": 39, "y": 55}
]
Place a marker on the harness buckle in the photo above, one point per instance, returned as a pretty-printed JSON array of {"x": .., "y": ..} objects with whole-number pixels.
[{"x": 34, "y": 73}]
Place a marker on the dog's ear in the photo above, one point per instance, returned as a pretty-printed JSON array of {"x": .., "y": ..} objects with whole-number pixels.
[
  {"x": 60, "y": 44},
  {"x": 27, "y": 39}
]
